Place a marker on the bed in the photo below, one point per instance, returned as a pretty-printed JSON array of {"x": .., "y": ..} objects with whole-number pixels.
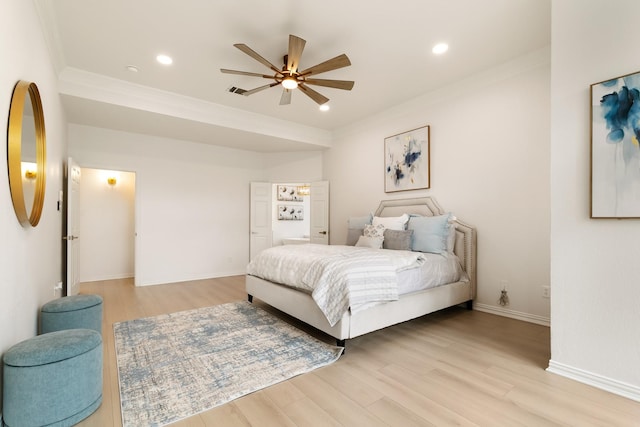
[{"x": 351, "y": 324}]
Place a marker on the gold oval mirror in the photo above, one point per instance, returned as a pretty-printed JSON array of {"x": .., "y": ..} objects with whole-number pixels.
[{"x": 26, "y": 153}]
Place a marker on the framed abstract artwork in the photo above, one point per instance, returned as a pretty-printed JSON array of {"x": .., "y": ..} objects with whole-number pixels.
[
  {"x": 615, "y": 149},
  {"x": 406, "y": 161},
  {"x": 289, "y": 193},
  {"x": 290, "y": 213}
]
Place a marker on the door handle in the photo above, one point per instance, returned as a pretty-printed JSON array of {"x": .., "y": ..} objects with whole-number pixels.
[
  {"x": 322, "y": 232},
  {"x": 70, "y": 237}
]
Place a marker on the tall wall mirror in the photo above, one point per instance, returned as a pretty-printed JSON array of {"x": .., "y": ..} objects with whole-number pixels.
[{"x": 26, "y": 153}]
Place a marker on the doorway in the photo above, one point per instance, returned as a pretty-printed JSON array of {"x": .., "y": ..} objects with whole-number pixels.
[
  {"x": 104, "y": 224},
  {"x": 281, "y": 214}
]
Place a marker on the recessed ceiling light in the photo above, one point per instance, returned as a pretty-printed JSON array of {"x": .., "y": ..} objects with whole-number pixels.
[
  {"x": 132, "y": 68},
  {"x": 440, "y": 48},
  {"x": 325, "y": 107},
  {"x": 164, "y": 59}
]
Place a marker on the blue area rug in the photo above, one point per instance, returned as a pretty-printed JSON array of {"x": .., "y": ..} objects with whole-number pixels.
[{"x": 177, "y": 365}]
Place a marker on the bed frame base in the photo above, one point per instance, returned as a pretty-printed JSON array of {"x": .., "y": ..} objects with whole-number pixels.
[{"x": 302, "y": 306}]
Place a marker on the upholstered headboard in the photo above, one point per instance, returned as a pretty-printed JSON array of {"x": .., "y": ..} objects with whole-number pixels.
[{"x": 465, "y": 246}]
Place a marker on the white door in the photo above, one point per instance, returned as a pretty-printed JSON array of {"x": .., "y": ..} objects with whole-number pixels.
[
  {"x": 260, "y": 227},
  {"x": 71, "y": 239},
  {"x": 320, "y": 213}
]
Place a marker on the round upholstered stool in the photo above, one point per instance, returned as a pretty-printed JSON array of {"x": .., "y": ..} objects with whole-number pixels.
[
  {"x": 73, "y": 312},
  {"x": 52, "y": 379}
]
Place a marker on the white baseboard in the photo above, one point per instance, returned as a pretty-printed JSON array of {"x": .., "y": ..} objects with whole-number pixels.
[
  {"x": 107, "y": 277},
  {"x": 616, "y": 387},
  {"x": 501, "y": 311}
]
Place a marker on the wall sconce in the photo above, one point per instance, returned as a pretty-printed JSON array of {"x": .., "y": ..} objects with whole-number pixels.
[
  {"x": 29, "y": 170},
  {"x": 304, "y": 190},
  {"x": 112, "y": 180},
  {"x": 30, "y": 174}
]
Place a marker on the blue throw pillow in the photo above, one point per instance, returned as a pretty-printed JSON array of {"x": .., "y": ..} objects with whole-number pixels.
[
  {"x": 429, "y": 233},
  {"x": 356, "y": 222}
]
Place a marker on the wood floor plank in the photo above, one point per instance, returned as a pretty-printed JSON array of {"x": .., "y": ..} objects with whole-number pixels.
[
  {"x": 305, "y": 412},
  {"x": 395, "y": 414},
  {"x": 400, "y": 393},
  {"x": 284, "y": 394},
  {"x": 259, "y": 410},
  {"x": 226, "y": 415},
  {"x": 453, "y": 367},
  {"x": 359, "y": 391},
  {"x": 342, "y": 408}
]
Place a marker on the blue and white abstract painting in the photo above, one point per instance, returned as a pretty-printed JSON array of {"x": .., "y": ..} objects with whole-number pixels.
[
  {"x": 615, "y": 148},
  {"x": 406, "y": 161}
]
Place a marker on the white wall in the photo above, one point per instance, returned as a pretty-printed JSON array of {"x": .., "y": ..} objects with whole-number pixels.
[
  {"x": 489, "y": 165},
  {"x": 304, "y": 166},
  {"x": 31, "y": 257},
  {"x": 594, "y": 263},
  {"x": 192, "y": 201},
  {"x": 106, "y": 225}
]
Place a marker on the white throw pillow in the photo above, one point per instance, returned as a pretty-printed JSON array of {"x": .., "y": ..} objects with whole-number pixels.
[
  {"x": 370, "y": 242},
  {"x": 392, "y": 222},
  {"x": 371, "y": 230}
]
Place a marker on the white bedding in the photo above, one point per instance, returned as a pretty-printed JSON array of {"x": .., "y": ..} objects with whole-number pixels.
[
  {"x": 287, "y": 264},
  {"x": 435, "y": 271},
  {"x": 340, "y": 278}
]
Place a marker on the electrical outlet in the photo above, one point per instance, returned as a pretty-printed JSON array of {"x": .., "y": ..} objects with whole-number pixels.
[{"x": 546, "y": 292}]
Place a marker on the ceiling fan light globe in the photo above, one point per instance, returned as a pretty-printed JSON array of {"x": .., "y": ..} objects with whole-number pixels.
[{"x": 289, "y": 83}]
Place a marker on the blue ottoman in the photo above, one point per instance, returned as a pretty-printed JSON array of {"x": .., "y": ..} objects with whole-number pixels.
[
  {"x": 53, "y": 379},
  {"x": 74, "y": 312}
]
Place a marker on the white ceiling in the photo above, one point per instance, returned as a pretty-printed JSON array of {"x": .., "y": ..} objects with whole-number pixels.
[{"x": 389, "y": 44}]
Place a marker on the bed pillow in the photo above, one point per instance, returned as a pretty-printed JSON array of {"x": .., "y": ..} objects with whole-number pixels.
[
  {"x": 371, "y": 230},
  {"x": 356, "y": 222},
  {"x": 451, "y": 237},
  {"x": 430, "y": 233},
  {"x": 355, "y": 227},
  {"x": 392, "y": 222},
  {"x": 352, "y": 235},
  {"x": 370, "y": 242},
  {"x": 397, "y": 240}
]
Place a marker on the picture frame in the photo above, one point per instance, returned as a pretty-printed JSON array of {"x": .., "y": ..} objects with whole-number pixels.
[
  {"x": 615, "y": 149},
  {"x": 289, "y": 193},
  {"x": 407, "y": 162},
  {"x": 290, "y": 212}
]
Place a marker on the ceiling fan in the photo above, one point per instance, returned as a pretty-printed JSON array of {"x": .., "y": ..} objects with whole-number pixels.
[{"x": 290, "y": 78}]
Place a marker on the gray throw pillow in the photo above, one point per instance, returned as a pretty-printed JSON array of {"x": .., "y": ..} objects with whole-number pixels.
[{"x": 397, "y": 239}]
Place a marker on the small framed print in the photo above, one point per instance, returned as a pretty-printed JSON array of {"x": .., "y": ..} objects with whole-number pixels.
[
  {"x": 290, "y": 212},
  {"x": 288, "y": 193}
]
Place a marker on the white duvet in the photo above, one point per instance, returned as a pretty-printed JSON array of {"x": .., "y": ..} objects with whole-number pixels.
[
  {"x": 287, "y": 264},
  {"x": 338, "y": 277}
]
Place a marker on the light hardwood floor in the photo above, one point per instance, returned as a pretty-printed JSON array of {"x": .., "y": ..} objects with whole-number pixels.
[{"x": 454, "y": 367}]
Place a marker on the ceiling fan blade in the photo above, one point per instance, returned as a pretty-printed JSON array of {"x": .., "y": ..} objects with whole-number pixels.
[
  {"x": 245, "y": 73},
  {"x": 285, "y": 99},
  {"x": 318, "y": 98},
  {"x": 296, "y": 46},
  {"x": 258, "y": 89},
  {"x": 339, "y": 61},
  {"x": 252, "y": 53},
  {"x": 337, "y": 84}
]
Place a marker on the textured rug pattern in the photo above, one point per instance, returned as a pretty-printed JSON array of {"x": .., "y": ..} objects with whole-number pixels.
[{"x": 177, "y": 365}]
